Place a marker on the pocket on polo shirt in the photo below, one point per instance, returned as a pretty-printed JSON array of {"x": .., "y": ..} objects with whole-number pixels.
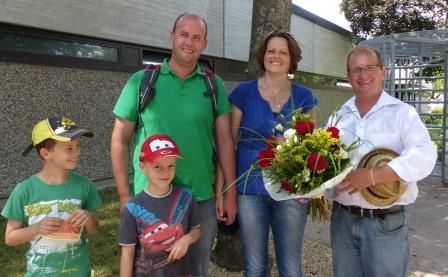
[{"x": 392, "y": 223}]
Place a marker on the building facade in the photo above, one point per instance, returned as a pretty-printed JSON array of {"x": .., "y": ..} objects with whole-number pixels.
[{"x": 71, "y": 58}]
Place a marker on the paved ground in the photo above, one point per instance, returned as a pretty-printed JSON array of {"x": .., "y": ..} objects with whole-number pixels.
[{"x": 429, "y": 229}]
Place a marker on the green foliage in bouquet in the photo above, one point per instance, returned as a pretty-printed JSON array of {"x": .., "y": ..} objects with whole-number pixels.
[{"x": 304, "y": 159}]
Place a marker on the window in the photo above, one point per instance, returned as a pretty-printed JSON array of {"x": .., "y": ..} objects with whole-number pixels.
[{"x": 38, "y": 45}]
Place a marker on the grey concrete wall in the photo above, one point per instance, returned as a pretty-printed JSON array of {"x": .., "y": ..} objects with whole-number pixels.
[
  {"x": 330, "y": 99},
  {"x": 30, "y": 93}
]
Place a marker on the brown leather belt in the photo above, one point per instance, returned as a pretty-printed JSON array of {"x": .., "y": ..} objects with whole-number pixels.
[{"x": 370, "y": 212}]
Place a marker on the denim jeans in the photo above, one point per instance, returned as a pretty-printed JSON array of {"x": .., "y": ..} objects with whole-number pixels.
[
  {"x": 199, "y": 252},
  {"x": 368, "y": 247},
  {"x": 287, "y": 220}
]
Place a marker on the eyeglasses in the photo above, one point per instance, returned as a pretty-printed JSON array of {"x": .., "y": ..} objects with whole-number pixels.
[{"x": 356, "y": 71}]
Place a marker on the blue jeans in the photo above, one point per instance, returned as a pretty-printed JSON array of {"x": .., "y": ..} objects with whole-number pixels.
[
  {"x": 199, "y": 252},
  {"x": 368, "y": 247},
  {"x": 287, "y": 220}
]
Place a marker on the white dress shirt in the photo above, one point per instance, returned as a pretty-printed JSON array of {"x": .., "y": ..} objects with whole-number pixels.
[{"x": 390, "y": 124}]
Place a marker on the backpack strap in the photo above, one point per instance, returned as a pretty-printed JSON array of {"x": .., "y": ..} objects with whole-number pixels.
[
  {"x": 212, "y": 90},
  {"x": 180, "y": 205},
  {"x": 147, "y": 89}
]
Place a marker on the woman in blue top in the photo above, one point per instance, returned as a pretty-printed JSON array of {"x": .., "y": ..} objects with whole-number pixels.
[{"x": 257, "y": 106}]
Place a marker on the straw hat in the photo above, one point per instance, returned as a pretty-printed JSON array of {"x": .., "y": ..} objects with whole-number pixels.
[{"x": 382, "y": 194}]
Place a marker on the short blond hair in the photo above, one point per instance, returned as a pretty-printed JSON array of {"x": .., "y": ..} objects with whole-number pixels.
[{"x": 366, "y": 49}]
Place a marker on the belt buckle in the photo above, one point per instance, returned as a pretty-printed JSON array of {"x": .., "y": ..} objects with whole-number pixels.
[{"x": 362, "y": 212}]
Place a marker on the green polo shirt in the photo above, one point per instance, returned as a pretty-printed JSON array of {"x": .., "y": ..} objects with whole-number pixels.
[{"x": 181, "y": 110}]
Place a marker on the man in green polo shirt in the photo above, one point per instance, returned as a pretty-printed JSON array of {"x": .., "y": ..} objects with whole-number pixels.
[{"x": 180, "y": 110}]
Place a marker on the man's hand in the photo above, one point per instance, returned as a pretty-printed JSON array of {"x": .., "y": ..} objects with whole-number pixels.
[
  {"x": 355, "y": 181},
  {"x": 48, "y": 225}
]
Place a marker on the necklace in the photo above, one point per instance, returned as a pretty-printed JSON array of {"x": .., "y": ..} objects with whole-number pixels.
[{"x": 276, "y": 98}]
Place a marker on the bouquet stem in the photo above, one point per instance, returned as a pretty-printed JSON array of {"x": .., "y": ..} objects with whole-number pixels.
[{"x": 320, "y": 209}]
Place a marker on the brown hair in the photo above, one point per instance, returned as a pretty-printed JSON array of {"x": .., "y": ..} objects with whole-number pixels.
[
  {"x": 294, "y": 50},
  {"x": 189, "y": 15},
  {"x": 47, "y": 144},
  {"x": 366, "y": 50}
]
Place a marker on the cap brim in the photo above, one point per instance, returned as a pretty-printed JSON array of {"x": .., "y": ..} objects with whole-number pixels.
[
  {"x": 74, "y": 133},
  {"x": 169, "y": 155},
  {"x": 27, "y": 150}
]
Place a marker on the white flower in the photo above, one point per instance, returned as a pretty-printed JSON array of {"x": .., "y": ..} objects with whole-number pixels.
[
  {"x": 289, "y": 134},
  {"x": 278, "y": 148},
  {"x": 296, "y": 140},
  {"x": 306, "y": 174},
  {"x": 344, "y": 154},
  {"x": 279, "y": 127}
]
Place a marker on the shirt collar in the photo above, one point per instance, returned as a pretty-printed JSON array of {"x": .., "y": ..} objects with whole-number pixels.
[
  {"x": 384, "y": 100},
  {"x": 165, "y": 69}
]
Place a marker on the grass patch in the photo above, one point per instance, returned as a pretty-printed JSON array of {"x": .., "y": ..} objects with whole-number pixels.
[{"x": 104, "y": 249}]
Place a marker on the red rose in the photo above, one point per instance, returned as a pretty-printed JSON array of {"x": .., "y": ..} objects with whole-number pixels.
[
  {"x": 287, "y": 186},
  {"x": 334, "y": 132},
  {"x": 317, "y": 162},
  {"x": 304, "y": 127},
  {"x": 265, "y": 157}
]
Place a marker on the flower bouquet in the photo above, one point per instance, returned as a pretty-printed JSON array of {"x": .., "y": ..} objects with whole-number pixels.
[{"x": 303, "y": 162}]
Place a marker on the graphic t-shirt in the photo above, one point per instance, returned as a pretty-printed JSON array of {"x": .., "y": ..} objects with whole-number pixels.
[
  {"x": 54, "y": 255},
  {"x": 154, "y": 224}
]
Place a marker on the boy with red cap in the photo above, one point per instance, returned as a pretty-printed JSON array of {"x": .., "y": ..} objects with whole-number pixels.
[
  {"x": 160, "y": 223},
  {"x": 51, "y": 208}
]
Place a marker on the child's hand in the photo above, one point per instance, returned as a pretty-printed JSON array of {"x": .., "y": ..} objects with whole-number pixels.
[
  {"x": 78, "y": 219},
  {"x": 49, "y": 225},
  {"x": 178, "y": 249}
]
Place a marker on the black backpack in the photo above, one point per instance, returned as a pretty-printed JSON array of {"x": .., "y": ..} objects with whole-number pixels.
[{"x": 147, "y": 90}]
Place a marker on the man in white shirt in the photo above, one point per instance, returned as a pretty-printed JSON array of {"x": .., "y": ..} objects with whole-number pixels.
[{"x": 370, "y": 239}]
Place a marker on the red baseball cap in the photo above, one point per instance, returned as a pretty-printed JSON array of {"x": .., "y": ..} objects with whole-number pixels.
[{"x": 158, "y": 146}]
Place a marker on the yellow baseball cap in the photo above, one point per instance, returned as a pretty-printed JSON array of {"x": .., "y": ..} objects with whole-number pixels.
[{"x": 57, "y": 128}]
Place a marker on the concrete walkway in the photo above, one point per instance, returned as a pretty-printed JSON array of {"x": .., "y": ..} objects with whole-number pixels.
[{"x": 429, "y": 230}]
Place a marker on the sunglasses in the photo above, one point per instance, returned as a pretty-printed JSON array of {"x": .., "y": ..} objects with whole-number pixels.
[{"x": 280, "y": 33}]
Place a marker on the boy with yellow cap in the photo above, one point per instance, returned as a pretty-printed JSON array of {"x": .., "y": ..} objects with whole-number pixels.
[{"x": 52, "y": 208}]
